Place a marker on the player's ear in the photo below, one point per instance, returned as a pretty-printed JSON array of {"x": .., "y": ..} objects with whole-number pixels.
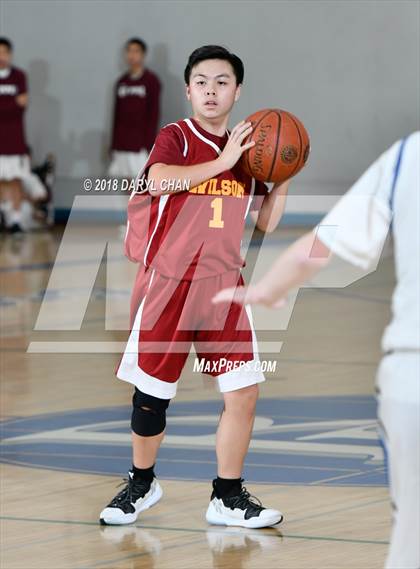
[
  {"x": 238, "y": 92},
  {"x": 187, "y": 92}
]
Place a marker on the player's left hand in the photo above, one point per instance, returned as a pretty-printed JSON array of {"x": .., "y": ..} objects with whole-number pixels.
[
  {"x": 22, "y": 99},
  {"x": 247, "y": 295}
]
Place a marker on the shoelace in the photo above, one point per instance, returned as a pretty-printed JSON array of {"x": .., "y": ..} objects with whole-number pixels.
[
  {"x": 126, "y": 494},
  {"x": 244, "y": 500}
]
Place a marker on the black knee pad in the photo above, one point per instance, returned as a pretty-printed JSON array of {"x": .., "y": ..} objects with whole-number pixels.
[{"x": 149, "y": 414}]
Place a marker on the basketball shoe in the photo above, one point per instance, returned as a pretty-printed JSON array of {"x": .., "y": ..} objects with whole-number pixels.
[
  {"x": 240, "y": 509},
  {"x": 134, "y": 498}
]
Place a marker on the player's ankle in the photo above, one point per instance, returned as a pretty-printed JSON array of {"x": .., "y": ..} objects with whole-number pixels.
[
  {"x": 225, "y": 486},
  {"x": 146, "y": 474}
]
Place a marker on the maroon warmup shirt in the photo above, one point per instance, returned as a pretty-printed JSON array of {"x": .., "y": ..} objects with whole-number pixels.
[
  {"x": 136, "y": 112},
  {"x": 12, "y": 133}
]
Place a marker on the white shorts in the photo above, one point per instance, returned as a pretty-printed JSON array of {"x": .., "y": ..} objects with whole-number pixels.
[
  {"x": 14, "y": 166},
  {"x": 127, "y": 164},
  {"x": 223, "y": 336},
  {"x": 398, "y": 383}
]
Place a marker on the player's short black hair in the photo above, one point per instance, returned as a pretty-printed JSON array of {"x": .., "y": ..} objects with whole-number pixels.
[
  {"x": 6, "y": 42},
  {"x": 214, "y": 52},
  {"x": 137, "y": 41}
]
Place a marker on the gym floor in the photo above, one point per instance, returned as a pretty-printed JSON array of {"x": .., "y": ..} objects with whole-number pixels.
[{"x": 315, "y": 453}]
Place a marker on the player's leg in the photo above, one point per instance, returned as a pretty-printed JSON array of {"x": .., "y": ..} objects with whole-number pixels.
[
  {"x": 234, "y": 431},
  {"x": 12, "y": 169},
  {"x": 145, "y": 449},
  {"x": 12, "y": 197},
  {"x": 39, "y": 188},
  {"x": 399, "y": 413},
  {"x": 237, "y": 374},
  {"x": 230, "y": 503},
  {"x": 154, "y": 369},
  {"x": 35, "y": 193},
  {"x": 238, "y": 378},
  {"x": 142, "y": 491},
  {"x": 148, "y": 423}
]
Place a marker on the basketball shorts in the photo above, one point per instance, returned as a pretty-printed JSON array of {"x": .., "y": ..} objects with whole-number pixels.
[
  {"x": 127, "y": 164},
  {"x": 14, "y": 167},
  {"x": 174, "y": 315}
]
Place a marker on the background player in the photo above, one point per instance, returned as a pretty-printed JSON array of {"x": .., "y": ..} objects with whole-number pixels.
[
  {"x": 14, "y": 161},
  {"x": 355, "y": 230},
  {"x": 192, "y": 251},
  {"x": 136, "y": 113}
]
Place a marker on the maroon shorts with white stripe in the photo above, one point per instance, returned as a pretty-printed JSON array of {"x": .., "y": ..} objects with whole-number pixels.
[{"x": 173, "y": 315}]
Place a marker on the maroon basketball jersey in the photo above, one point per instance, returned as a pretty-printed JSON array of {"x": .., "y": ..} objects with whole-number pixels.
[
  {"x": 136, "y": 112},
  {"x": 196, "y": 233},
  {"x": 12, "y": 134}
]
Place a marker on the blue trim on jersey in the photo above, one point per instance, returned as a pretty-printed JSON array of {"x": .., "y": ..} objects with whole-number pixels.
[
  {"x": 396, "y": 174},
  {"x": 383, "y": 441}
]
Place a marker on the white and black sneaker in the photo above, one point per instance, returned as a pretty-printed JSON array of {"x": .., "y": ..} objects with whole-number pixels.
[
  {"x": 240, "y": 509},
  {"x": 16, "y": 230},
  {"x": 137, "y": 496}
]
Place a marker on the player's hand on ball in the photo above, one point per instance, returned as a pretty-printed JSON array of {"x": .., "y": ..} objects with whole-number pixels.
[
  {"x": 233, "y": 149},
  {"x": 248, "y": 295}
]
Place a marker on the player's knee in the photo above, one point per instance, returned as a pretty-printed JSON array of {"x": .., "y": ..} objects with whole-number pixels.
[
  {"x": 242, "y": 400},
  {"x": 149, "y": 414}
]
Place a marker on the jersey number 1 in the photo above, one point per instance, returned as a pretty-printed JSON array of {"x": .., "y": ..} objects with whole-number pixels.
[{"x": 217, "y": 220}]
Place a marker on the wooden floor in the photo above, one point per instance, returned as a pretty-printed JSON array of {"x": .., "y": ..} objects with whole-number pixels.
[{"x": 49, "y": 515}]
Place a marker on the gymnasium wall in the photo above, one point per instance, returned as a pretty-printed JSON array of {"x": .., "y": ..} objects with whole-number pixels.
[{"x": 348, "y": 69}]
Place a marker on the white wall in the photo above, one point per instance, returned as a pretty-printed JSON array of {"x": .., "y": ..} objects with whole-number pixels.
[{"x": 348, "y": 69}]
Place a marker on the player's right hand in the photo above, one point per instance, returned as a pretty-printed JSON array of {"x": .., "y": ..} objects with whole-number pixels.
[{"x": 233, "y": 149}]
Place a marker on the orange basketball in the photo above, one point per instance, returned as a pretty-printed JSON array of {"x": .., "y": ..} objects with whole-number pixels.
[{"x": 281, "y": 146}]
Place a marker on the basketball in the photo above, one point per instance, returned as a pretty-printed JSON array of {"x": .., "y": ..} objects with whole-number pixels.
[{"x": 281, "y": 146}]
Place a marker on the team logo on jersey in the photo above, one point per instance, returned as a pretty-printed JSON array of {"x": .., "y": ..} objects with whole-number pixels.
[
  {"x": 216, "y": 187},
  {"x": 133, "y": 90},
  {"x": 319, "y": 440},
  {"x": 8, "y": 89}
]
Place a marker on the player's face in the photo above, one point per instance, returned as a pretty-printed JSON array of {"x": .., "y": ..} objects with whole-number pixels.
[
  {"x": 5, "y": 57},
  {"x": 134, "y": 56},
  {"x": 212, "y": 89}
]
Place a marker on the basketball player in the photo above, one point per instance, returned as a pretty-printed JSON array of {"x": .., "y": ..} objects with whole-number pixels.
[
  {"x": 355, "y": 230},
  {"x": 136, "y": 113},
  {"x": 192, "y": 250},
  {"x": 14, "y": 161}
]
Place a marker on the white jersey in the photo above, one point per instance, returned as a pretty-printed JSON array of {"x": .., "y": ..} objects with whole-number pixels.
[{"x": 386, "y": 196}]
